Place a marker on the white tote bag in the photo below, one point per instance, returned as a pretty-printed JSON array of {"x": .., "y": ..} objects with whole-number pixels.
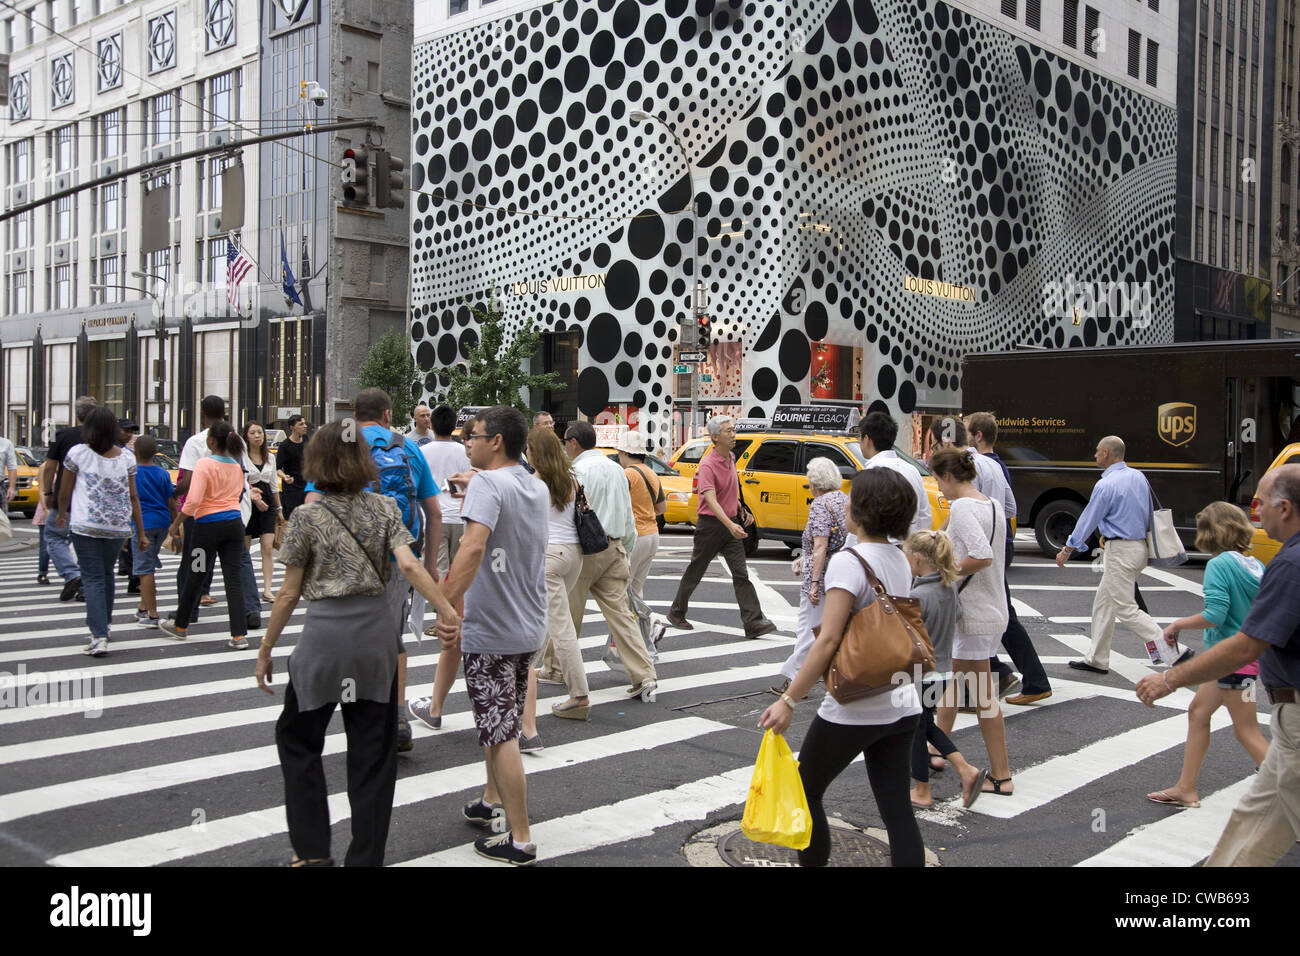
[{"x": 1164, "y": 546}]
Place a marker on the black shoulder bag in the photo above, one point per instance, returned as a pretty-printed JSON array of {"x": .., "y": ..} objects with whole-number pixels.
[{"x": 591, "y": 535}]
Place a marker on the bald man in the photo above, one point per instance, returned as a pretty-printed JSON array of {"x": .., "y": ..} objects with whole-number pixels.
[
  {"x": 1119, "y": 508},
  {"x": 1266, "y": 822}
]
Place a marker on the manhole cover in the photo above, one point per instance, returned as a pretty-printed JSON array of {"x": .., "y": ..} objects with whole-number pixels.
[{"x": 848, "y": 848}]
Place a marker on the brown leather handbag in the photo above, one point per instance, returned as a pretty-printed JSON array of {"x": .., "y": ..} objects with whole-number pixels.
[{"x": 884, "y": 645}]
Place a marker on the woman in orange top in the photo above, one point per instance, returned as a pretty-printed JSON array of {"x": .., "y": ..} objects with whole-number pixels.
[{"x": 213, "y": 502}]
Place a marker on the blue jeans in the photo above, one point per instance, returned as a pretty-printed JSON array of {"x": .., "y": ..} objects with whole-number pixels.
[
  {"x": 58, "y": 542},
  {"x": 42, "y": 555},
  {"x": 147, "y": 562},
  {"x": 98, "y": 560}
]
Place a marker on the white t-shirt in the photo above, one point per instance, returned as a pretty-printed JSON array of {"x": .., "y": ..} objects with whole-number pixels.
[
  {"x": 990, "y": 481},
  {"x": 101, "y": 499},
  {"x": 8, "y": 457},
  {"x": 982, "y": 602},
  {"x": 446, "y": 458},
  {"x": 844, "y": 572},
  {"x": 561, "y": 529},
  {"x": 921, "y": 519}
]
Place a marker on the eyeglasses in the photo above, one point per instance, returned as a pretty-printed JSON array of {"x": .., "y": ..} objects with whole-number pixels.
[{"x": 471, "y": 436}]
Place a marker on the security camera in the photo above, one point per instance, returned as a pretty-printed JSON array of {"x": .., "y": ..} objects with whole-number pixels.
[{"x": 316, "y": 93}]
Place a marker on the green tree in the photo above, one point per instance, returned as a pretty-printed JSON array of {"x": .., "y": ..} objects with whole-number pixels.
[
  {"x": 390, "y": 366},
  {"x": 493, "y": 374}
]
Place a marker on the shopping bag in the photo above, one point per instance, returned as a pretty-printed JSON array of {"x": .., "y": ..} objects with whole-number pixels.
[
  {"x": 776, "y": 810},
  {"x": 1164, "y": 546}
]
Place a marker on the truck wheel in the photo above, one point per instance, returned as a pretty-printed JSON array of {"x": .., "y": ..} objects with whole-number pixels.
[{"x": 1055, "y": 524}]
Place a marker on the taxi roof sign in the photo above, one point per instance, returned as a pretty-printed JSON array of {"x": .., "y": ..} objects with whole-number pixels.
[
  {"x": 822, "y": 418},
  {"x": 752, "y": 424},
  {"x": 468, "y": 412}
]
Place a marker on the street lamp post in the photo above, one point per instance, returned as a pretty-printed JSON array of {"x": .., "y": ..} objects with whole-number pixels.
[{"x": 640, "y": 116}]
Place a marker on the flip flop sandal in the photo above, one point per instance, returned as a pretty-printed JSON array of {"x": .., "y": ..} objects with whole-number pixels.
[
  {"x": 997, "y": 786},
  {"x": 922, "y": 806},
  {"x": 976, "y": 789},
  {"x": 1163, "y": 798}
]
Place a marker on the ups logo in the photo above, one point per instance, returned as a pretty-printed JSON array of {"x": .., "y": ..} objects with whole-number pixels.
[{"x": 1176, "y": 422}]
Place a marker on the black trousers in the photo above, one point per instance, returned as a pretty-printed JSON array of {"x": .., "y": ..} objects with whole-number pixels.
[
  {"x": 371, "y": 729},
  {"x": 209, "y": 541},
  {"x": 928, "y": 732},
  {"x": 828, "y": 749},
  {"x": 711, "y": 539},
  {"x": 1017, "y": 643}
]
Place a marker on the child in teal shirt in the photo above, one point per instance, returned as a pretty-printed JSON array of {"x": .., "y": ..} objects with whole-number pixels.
[{"x": 1231, "y": 583}]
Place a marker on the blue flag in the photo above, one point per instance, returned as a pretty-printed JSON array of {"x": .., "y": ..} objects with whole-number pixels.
[{"x": 286, "y": 276}]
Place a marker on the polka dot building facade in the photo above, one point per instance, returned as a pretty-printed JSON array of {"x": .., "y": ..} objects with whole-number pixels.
[{"x": 836, "y": 148}]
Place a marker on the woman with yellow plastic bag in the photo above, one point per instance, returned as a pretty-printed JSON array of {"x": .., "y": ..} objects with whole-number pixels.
[
  {"x": 776, "y": 811},
  {"x": 879, "y": 727}
]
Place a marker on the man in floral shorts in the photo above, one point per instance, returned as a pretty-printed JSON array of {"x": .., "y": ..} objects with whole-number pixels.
[{"x": 500, "y": 573}]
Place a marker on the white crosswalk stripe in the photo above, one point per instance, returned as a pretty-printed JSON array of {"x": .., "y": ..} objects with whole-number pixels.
[{"x": 182, "y": 727}]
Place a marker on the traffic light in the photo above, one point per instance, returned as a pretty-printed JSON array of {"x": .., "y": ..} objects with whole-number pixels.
[
  {"x": 355, "y": 175},
  {"x": 706, "y": 331},
  {"x": 389, "y": 185}
]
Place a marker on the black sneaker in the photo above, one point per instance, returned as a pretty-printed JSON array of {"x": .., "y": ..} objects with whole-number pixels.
[
  {"x": 70, "y": 589},
  {"x": 503, "y": 849},
  {"x": 482, "y": 816},
  {"x": 404, "y": 743},
  {"x": 42, "y": 579}
]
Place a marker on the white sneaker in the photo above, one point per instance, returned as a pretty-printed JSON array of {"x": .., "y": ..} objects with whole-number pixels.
[
  {"x": 646, "y": 690},
  {"x": 98, "y": 647}
]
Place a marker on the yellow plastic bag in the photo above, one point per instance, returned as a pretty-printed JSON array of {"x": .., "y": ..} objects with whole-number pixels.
[{"x": 777, "y": 811}]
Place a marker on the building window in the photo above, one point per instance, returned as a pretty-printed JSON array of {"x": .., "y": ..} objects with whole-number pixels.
[
  {"x": 220, "y": 98},
  {"x": 1241, "y": 163},
  {"x": 61, "y": 288},
  {"x": 20, "y": 161},
  {"x": 1201, "y": 62},
  {"x": 1134, "y": 53},
  {"x": 164, "y": 118},
  {"x": 1200, "y": 149},
  {"x": 110, "y": 277},
  {"x": 217, "y": 261},
  {"x": 1009, "y": 9},
  {"x": 1094, "y": 38},
  {"x": 9, "y": 35},
  {"x": 162, "y": 42},
  {"x": 1237, "y": 248},
  {"x": 106, "y": 364},
  {"x": 63, "y": 214},
  {"x": 1153, "y": 64},
  {"x": 457, "y": 6},
  {"x": 1200, "y": 234},
  {"x": 219, "y": 24},
  {"x": 1154, "y": 5},
  {"x": 215, "y": 168},
  {"x": 1070, "y": 24},
  {"x": 110, "y": 62},
  {"x": 1034, "y": 14},
  {"x": 112, "y": 139},
  {"x": 52, "y": 16},
  {"x": 20, "y": 97},
  {"x": 19, "y": 299},
  {"x": 62, "y": 87},
  {"x": 22, "y": 232},
  {"x": 1227, "y": 83},
  {"x": 1250, "y": 251},
  {"x": 1214, "y": 238},
  {"x": 63, "y": 150},
  {"x": 110, "y": 198}
]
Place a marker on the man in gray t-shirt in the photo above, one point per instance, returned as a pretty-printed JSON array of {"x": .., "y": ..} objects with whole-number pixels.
[{"x": 500, "y": 575}]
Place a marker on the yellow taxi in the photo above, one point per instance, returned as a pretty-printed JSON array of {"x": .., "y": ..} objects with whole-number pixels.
[
  {"x": 1263, "y": 546},
  {"x": 166, "y": 462},
  {"x": 772, "y": 461},
  {"x": 28, "y": 492}
]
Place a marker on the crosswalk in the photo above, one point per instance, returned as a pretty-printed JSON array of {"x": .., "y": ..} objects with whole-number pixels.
[{"x": 172, "y": 760}]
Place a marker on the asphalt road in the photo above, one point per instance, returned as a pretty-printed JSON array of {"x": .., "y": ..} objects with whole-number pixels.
[{"x": 179, "y": 767}]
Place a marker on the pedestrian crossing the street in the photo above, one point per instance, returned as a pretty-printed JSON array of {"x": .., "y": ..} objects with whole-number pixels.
[{"x": 163, "y": 752}]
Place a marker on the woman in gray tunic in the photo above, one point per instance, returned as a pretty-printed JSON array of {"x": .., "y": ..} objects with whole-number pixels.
[{"x": 336, "y": 554}]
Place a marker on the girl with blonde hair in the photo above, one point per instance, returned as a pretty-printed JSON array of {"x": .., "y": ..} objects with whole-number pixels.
[
  {"x": 934, "y": 571},
  {"x": 1231, "y": 582}
]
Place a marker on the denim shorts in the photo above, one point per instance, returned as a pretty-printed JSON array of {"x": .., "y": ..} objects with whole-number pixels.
[
  {"x": 147, "y": 562},
  {"x": 1237, "y": 681}
]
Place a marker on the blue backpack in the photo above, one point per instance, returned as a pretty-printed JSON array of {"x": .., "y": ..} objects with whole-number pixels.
[{"x": 397, "y": 481}]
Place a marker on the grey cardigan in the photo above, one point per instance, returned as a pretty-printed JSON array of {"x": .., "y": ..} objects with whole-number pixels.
[{"x": 939, "y": 611}]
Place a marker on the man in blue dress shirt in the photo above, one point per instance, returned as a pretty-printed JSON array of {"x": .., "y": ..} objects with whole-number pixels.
[{"x": 1120, "y": 508}]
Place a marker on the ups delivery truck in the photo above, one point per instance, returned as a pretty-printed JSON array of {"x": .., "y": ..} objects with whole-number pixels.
[{"x": 1201, "y": 420}]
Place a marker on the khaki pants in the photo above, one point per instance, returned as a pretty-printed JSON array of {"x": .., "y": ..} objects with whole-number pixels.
[
  {"x": 639, "y": 565},
  {"x": 1266, "y": 821},
  {"x": 449, "y": 545},
  {"x": 563, "y": 565},
  {"x": 605, "y": 577},
  {"x": 1124, "y": 562}
]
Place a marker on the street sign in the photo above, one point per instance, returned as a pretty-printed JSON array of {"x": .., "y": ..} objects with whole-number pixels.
[
  {"x": 680, "y": 369},
  {"x": 706, "y": 378},
  {"x": 693, "y": 357}
]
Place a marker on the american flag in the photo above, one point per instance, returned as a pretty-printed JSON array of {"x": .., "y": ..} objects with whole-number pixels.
[{"x": 237, "y": 267}]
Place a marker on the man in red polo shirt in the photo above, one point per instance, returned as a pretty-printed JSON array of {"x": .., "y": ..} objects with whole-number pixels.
[{"x": 720, "y": 529}]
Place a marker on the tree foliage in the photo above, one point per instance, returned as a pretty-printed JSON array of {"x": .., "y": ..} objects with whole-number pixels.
[
  {"x": 494, "y": 373},
  {"x": 390, "y": 366}
]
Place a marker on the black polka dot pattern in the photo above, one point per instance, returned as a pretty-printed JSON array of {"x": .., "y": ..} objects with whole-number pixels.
[{"x": 837, "y": 146}]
